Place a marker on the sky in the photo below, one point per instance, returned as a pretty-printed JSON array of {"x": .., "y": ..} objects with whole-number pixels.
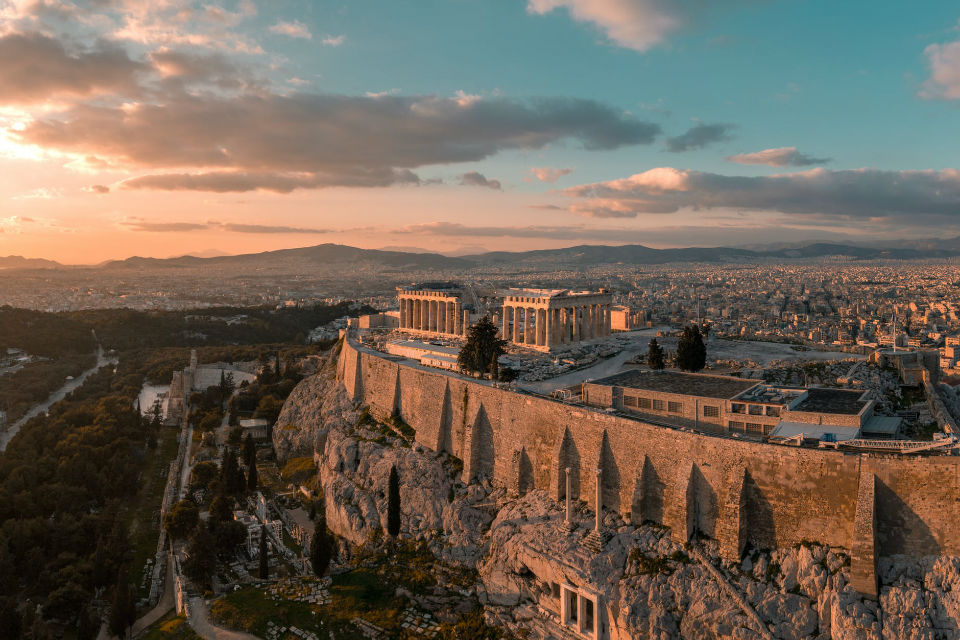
[{"x": 174, "y": 127}]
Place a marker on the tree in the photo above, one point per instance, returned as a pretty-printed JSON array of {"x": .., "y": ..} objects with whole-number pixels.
[
  {"x": 221, "y": 508},
  {"x": 322, "y": 545},
  {"x": 482, "y": 349},
  {"x": 393, "y": 503},
  {"x": 181, "y": 519},
  {"x": 230, "y": 473},
  {"x": 201, "y": 559},
  {"x": 123, "y": 607},
  {"x": 264, "y": 559},
  {"x": 691, "y": 352},
  {"x": 655, "y": 359},
  {"x": 252, "y": 478},
  {"x": 249, "y": 451}
]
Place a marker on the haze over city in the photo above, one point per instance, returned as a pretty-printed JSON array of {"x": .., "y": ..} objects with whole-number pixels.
[{"x": 160, "y": 129}]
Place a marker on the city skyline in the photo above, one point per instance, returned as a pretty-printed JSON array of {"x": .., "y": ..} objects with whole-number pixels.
[{"x": 239, "y": 127}]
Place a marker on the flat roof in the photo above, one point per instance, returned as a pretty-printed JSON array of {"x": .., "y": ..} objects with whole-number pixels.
[
  {"x": 814, "y": 431},
  {"x": 693, "y": 384},
  {"x": 888, "y": 425},
  {"x": 838, "y": 401}
]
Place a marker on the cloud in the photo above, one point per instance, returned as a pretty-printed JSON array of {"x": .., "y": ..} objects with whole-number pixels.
[
  {"x": 780, "y": 157},
  {"x": 549, "y": 174},
  {"x": 263, "y": 228},
  {"x": 283, "y": 142},
  {"x": 632, "y": 24},
  {"x": 475, "y": 179},
  {"x": 43, "y": 193},
  {"x": 295, "y": 29},
  {"x": 699, "y": 136},
  {"x": 334, "y": 41},
  {"x": 99, "y": 189},
  {"x": 35, "y": 67},
  {"x": 944, "y": 81},
  {"x": 188, "y": 68},
  {"x": 139, "y": 224},
  {"x": 226, "y": 181},
  {"x": 857, "y": 193}
]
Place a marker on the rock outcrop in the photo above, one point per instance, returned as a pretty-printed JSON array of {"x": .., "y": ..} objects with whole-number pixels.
[{"x": 648, "y": 586}]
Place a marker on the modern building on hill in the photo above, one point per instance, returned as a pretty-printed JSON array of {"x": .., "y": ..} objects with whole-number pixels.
[
  {"x": 730, "y": 404},
  {"x": 549, "y": 319},
  {"x": 434, "y": 308}
]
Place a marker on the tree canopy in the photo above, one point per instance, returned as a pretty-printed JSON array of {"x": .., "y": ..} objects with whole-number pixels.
[
  {"x": 482, "y": 349},
  {"x": 655, "y": 356},
  {"x": 691, "y": 351}
]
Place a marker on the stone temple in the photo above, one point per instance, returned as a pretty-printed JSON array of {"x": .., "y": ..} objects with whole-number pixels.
[
  {"x": 550, "y": 319},
  {"x": 435, "y": 308}
]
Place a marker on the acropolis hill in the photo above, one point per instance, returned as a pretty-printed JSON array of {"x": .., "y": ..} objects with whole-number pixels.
[{"x": 736, "y": 491}]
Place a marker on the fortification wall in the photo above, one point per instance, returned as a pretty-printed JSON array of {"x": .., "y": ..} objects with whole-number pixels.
[{"x": 737, "y": 491}]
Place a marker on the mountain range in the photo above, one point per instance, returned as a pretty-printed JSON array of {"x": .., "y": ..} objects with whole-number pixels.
[{"x": 582, "y": 255}]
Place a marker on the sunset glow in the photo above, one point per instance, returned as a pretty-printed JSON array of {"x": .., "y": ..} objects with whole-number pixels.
[{"x": 159, "y": 129}]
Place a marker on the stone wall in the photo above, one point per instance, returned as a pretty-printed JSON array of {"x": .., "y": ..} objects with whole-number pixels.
[{"x": 766, "y": 495}]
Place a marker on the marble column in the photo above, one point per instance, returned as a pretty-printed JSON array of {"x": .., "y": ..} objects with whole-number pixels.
[
  {"x": 528, "y": 326},
  {"x": 517, "y": 314}
]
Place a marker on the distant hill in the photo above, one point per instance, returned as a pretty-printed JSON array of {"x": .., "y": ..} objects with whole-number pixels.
[
  {"x": 19, "y": 262},
  {"x": 323, "y": 254},
  {"x": 342, "y": 256}
]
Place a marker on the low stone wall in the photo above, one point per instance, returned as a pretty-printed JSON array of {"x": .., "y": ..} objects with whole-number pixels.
[{"x": 737, "y": 491}]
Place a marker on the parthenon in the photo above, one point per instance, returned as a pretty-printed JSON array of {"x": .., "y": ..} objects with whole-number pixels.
[
  {"x": 433, "y": 308},
  {"x": 546, "y": 319}
]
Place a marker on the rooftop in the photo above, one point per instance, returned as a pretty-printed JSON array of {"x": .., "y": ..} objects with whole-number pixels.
[
  {"x": 449, "y": 287},
  {"x": 694, "y": 384},
  {"x": 838, "y": 401}
]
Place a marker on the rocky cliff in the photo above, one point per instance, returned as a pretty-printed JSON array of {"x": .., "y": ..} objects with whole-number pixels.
[{"x": 647, "y": 585}]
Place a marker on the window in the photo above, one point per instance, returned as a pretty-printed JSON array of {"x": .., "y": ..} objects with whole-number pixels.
[
  {"x": 753, "y": 427},
  {"x": 710, "y": 411},
  {"x": 738, "y": 408},
  {"x": 675, "y": 407},
  {"x": 755, "y": 410},
  {"x": 644, "y": 403},
  {"x": 773, "y": 411},
  {"x": 733, "y": 424},
  {"x": 658, "y": 405},
  {"x": 629, "y": 401}
]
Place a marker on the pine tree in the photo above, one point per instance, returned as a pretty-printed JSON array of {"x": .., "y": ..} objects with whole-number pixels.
[
  {"x": 655, "y": 359},
  {"x": 483, "y": 348},
  {"x": 252, "y": 478},
  {"x": 691, "y": 352},
  {"x": 393, "y": 503},
  {"x": 264, "y": 559},
  {"x": 322, "y": 544}
]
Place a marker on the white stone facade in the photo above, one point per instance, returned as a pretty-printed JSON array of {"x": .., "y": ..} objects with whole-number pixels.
[
  {"x": 549, "y": 319},
  {"x": 435, "y": 311}
]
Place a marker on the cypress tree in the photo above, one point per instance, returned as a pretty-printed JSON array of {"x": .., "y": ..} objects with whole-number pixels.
[
  {"x": 264, "y": 560},
  {"x": 691, "y": 352},
  {"x": 655, "y": 359},
  {"x": 393, "y": 503},
  {"x": 252, "y": 478}
]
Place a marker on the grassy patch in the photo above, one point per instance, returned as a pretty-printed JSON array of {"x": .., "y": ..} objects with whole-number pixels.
[
  {"x": 172, "y": 627},
  {"x": 299, "y": 470}
]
